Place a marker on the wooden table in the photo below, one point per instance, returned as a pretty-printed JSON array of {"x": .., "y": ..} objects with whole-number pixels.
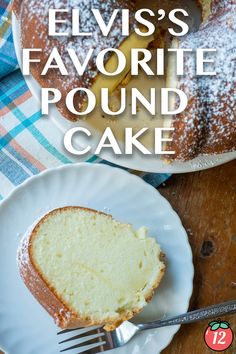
[{"x": 206, "y": 203}]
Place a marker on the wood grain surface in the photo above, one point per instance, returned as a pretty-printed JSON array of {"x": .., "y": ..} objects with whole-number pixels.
[{"x": 206, "y": 204}]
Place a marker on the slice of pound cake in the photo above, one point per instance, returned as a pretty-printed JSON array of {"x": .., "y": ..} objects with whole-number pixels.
[{"x": 87, "y": 269}]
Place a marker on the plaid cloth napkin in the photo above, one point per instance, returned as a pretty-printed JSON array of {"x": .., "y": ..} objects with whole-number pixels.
[{"x": 29, "y": 142}]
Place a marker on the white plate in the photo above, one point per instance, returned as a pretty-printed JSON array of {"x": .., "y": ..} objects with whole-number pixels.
[
  {"x": 25, "y": 327},
  {"x": 150, "y": 163}
]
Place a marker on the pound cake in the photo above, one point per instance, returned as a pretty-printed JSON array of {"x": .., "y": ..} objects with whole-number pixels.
[
  {"x": 208, "y": 125},
  {"x": 33, "y": 16},
  {"x": 87, "y": 269}
]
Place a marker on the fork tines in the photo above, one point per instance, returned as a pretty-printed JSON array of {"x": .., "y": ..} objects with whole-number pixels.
[{"x": 88, "y": 340}]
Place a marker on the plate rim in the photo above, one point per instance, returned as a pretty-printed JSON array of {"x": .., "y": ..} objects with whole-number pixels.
[{"x": 80, "y": 165}]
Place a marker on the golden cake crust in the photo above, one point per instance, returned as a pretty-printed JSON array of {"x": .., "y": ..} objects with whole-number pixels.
[
  {"x": 62, "y": 314},
  {"x": 208, "y": 125},
  {"x": 33, "y": 18}
]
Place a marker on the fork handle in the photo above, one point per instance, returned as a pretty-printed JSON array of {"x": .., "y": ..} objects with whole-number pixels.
[{"x": 213, "y": 311}]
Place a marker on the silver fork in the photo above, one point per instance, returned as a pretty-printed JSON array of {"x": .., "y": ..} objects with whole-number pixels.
[{"x": 93, "y": 340}]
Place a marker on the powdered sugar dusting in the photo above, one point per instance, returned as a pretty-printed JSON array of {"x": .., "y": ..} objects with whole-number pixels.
[
  {"x": 34, "y": 22},
  {"x": 208, "y": 125}
]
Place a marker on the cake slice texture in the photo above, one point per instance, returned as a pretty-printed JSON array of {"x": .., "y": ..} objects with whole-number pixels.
[{"x": 87, "y": 269}]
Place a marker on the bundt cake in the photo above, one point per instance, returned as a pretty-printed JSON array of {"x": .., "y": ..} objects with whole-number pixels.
[
  {"x": 208, "y": 124},
  {"x": 86, "y": 268},
  {"x": 34, "y": 23}
]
